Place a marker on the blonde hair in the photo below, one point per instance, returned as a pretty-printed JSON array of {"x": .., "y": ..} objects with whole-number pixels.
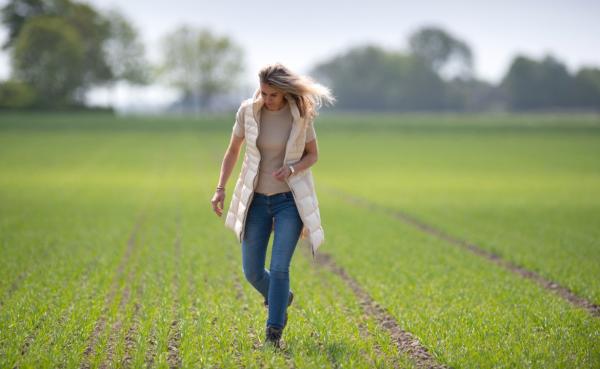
[{"x": 308, "y": 94}]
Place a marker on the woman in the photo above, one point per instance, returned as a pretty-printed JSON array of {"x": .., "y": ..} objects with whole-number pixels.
[{"x": 275, "y": 190}]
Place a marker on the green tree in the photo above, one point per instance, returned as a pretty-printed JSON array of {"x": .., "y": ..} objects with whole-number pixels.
[
  {"x": 442, "y": 52},
  {"x": 49, "y": 56},
  {"x": 107, "y": 45},
  {"x": 368, "y": 77},
  {"x": 532, "y": 84},
  {"x": 16, "y": 12},
  {"x": 200, "y": 64},
  {"x": 16, "y": 95},
  {"x": 587, "y": 81},
  {"x": 125, "y": 52},
  {"x": 94, "y": 30}
]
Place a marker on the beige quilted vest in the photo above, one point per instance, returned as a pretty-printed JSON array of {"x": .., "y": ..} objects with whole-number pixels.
[{"x": 301, "y": 183}]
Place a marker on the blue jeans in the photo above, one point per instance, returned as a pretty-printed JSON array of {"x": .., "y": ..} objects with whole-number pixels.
[{"x": 273, "y": 284}]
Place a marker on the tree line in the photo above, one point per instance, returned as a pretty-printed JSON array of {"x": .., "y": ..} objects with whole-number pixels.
[
  {"x": 60, "y": 49},
  {"x": 436, "y": 74}
]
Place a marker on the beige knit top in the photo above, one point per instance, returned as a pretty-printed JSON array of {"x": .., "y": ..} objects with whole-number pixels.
[{"x": 275, "y": 128}]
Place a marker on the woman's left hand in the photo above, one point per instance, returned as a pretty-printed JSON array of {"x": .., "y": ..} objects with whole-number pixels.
[{"x": 282, "y": 173}]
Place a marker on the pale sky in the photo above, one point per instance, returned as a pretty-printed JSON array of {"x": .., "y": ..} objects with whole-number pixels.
[{"x": 302, "y": 33}]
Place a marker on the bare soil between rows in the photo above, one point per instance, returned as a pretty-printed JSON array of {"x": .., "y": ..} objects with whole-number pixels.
[{"x": 411, "y": 220}]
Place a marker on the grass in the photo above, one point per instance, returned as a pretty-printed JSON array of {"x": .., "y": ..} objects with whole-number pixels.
[
  {"x": 532, "y": 198},
  {"x": 73, "y": 187}
]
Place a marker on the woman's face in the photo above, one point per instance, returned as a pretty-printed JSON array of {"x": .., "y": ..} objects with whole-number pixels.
[{"x": 274, "y": 98}]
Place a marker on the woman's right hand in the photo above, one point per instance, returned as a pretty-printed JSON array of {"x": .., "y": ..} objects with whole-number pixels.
[{"x": 217, "y": 202}]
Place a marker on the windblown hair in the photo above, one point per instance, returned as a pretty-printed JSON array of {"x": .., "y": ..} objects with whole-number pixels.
[{"x": 308, "y": 94}]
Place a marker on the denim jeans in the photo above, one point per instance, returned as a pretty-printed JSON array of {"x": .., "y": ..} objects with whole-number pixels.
[{"x": 273, "y": 284}]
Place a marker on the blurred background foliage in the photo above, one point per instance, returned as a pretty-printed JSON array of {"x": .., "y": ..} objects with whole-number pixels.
[{"x": 60, "y": 49}]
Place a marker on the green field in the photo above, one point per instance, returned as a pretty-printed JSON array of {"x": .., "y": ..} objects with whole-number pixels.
[{"x": 112, "y": 257}]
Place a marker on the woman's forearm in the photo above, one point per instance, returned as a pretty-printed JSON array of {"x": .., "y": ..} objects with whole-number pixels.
[
  {"x": 227, "y": 166},
  {"x": 307, "y": 160}
]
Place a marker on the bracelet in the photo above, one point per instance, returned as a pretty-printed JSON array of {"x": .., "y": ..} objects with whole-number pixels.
[{"x": 220, "y": 188}]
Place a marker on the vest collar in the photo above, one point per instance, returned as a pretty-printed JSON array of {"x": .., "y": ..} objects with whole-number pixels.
[{"x": 258, "y": 102}]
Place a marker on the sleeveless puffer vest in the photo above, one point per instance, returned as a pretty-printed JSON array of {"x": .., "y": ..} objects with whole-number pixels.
[{"x": 301, "y": 183}]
